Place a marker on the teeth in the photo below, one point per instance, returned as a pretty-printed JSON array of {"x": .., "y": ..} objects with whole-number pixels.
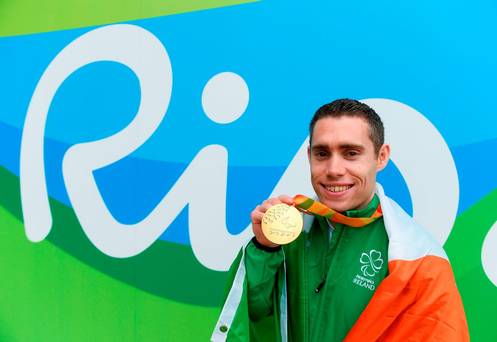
[{"x": 338, "y": 188}]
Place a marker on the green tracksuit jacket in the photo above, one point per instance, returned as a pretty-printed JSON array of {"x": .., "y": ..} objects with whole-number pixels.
[{"x": 331, "y": 275}]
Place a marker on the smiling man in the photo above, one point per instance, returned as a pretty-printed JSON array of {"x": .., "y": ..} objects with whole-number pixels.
[
  {"x": 346, "y": 151},
  {"x": 366, "y": 277}
]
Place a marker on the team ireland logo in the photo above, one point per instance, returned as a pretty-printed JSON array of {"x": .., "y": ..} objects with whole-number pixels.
[{"x": 372, "y": 263}]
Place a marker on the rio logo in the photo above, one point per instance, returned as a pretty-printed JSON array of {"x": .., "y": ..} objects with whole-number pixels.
[{"x": 426, "y": 164}]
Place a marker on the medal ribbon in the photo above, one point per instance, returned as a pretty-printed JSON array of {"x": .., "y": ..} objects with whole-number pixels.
[{"x": 309, "y": 206}]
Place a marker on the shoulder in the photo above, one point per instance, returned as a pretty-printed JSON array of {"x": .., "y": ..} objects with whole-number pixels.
[{"x": 408, "y": 240}]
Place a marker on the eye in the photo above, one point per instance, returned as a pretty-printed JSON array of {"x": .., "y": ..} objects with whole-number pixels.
[
  {"x": 320, "y": 154},
  {"x": 352, "y": 153}
]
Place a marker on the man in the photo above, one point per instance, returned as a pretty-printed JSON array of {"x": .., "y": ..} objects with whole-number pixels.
[{"x": 387, "y": 280}]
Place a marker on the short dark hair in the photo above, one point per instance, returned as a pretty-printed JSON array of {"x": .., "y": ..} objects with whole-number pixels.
[{"x": 352, "y": 108}]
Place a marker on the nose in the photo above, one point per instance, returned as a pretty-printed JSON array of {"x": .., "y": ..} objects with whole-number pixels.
[{"x": 335, "y": 167}]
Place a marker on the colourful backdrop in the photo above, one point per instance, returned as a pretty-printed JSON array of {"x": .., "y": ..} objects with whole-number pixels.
[{"x": 137, "y": 136}]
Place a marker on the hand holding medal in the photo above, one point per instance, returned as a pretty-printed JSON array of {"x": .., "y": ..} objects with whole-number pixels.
[{"x": 282, "y": 223}]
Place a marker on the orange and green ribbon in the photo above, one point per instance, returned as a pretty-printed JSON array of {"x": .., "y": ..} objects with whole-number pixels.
[{"x": 309, "y": 206}]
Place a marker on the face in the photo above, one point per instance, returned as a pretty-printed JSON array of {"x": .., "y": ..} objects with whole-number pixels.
[{"x": 344, "y": 163}]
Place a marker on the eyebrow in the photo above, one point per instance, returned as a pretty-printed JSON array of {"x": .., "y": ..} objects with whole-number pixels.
[
  {"x": 342, "y": 147},
  {"x": 352, "y": 147}
]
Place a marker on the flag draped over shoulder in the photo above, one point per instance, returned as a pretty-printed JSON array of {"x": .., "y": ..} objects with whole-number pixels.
[{"x": 417, "y": 301}]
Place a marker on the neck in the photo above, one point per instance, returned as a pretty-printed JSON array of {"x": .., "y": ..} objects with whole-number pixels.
[{"x": 365, "y": 203}]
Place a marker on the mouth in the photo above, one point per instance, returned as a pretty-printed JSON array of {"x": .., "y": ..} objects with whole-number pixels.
[{"x": 337, "y": 189}]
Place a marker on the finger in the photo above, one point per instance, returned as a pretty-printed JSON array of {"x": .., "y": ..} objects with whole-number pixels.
[
  {"x": 262, "y": 208},
  {"x": 257, "y": 214},
  {"x": 265, "y": 206},
  {"x": 274, "y": 201},
  {"x": 286, "y": 199}
]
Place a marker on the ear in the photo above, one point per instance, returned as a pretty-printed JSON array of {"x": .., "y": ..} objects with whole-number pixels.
[
  {"x": 309, "y": 153},
  {"x": 383, "y": 157}
]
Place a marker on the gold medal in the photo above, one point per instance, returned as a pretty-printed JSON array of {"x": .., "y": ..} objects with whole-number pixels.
[{"x": 281, "y": 224}]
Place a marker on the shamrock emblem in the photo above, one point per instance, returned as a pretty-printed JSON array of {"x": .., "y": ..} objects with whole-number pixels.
[{"x": 372, "y": 263}]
